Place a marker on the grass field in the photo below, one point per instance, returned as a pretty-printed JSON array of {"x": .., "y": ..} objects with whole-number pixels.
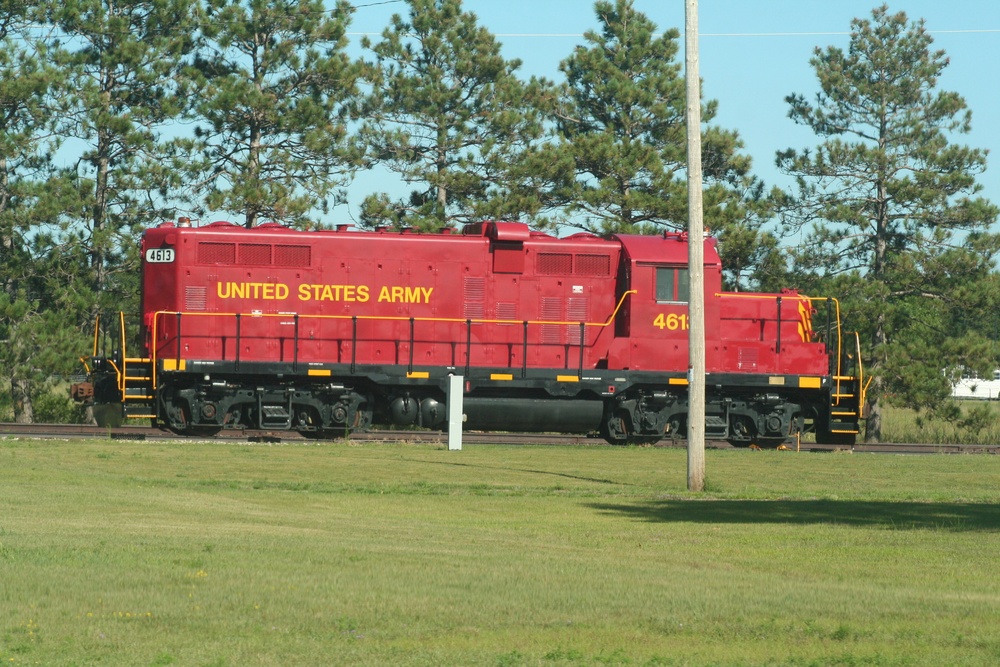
[
  {"x": 904, "y": 425},
  {"x": 128, "y": 553}
]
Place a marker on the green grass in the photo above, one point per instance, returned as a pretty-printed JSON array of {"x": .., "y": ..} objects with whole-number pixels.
[
  {"x": 905, "y": 425},
  {"x": 125, "y": 553}
]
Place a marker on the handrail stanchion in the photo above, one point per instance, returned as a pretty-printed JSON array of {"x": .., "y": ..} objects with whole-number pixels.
[
  {"x": 354, "y": 342},
  {"x": 409, "y": 367},
  {"x": 524, "y": 351},
  {"x": 239, "y": 338},
  {"x": 468, "y": 345},
  {"x": 295, "y": 346},
  {"x": 777, "y": 343},
  {"x": 178, "y": 337}
]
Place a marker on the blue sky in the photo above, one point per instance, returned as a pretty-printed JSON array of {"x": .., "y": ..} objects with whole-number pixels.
[{"x": 753, "y": 53}]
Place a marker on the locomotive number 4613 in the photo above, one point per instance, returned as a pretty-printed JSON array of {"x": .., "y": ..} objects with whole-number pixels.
[
  {"x": 160, "y": 255},
  {"x": 671, "y": 321}
]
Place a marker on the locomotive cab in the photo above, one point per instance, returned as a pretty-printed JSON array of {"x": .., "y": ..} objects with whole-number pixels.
[{"x": 653, "y": 333}]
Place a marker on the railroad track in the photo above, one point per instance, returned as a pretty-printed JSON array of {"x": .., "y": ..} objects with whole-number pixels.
[
  {"x": 63, "y": 431},
  {"x": 271, "y": 436}
]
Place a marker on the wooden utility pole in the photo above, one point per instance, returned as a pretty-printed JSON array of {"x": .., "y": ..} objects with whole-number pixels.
[{"x": 696, "y": 257}]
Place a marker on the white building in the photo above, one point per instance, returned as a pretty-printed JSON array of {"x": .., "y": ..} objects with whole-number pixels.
[{"x": 973, "y": 386}]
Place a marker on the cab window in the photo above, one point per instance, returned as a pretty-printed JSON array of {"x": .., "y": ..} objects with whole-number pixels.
[{"x": 672, "y": 284}]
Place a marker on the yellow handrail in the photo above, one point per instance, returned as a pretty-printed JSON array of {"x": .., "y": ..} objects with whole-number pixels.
[
  {"x": 862, "y": 385},
  {"x": 838, "y": 374},
  {"x": 97, "y": 331},
  {"x": 836, "y": 318},
  {"x": 397, "y": 318},
  {"x": 121, "y": 376}
]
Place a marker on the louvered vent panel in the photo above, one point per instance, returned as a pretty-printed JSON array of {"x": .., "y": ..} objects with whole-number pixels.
[
  {"x": 550, "y": 264},
  {"x": 576, "y": 310},
  {"x": 552, "y": 311},
  {"x": 292, "y": 255},
  {"x": 474, "y": 307},
  {"x": 195, "y": 298},
  {"x": 593, "y": 265},
  {"x": 216, "y": 253},
  {"x": 506, "y": 311},
  {"x": 254, "y": 254}
]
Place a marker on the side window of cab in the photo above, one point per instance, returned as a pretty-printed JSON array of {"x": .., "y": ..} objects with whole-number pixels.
[{"x": 672, "y": 284}]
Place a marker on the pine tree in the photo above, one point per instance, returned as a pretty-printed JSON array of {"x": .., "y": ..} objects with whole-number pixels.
[
  {"x": 622, "y": 128},
  {"x": 38, "y": 309},
  {"x": 121, "y": 59},
  {"x": 449, "y": 115},
  {"x": 894, "y": 222},
  {"x": 271, "y": 113}
]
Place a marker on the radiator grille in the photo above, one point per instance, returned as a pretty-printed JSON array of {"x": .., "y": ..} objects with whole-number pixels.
[
  {"x": 216, "y": 253},
  {"x": 292, "y": 255},
  {"x": 593, "y": 265},
  {"x": 554, "y": 264},
  {"x": 254, "y": 254}
]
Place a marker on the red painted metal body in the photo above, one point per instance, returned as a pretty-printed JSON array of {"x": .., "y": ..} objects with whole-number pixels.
[{"x": 498, "y": 297}]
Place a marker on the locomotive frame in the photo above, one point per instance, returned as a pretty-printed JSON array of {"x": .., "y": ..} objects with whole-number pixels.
[{"x": 327, "y": 369}]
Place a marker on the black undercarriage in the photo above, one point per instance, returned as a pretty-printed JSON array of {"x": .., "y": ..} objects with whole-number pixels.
[{"x": 330, "y": 400}]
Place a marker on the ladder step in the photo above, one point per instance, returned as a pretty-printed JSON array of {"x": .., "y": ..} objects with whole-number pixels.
[
  {"x": 139, "y": 411},
  {"x": 275, "y": 416},
  {"x": 843, "y": 427},
  {"x": 716, "y": 426}
]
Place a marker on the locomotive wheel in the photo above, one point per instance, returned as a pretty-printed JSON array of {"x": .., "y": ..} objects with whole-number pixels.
[
  {"x": 616, "y": 430},
  {"x": 364, "y": 416}
]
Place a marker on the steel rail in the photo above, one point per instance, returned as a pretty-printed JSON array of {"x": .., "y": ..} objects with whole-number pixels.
[{"x": 83, "y": 431}]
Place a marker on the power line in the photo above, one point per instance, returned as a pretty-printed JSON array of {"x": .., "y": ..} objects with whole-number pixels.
[
  {"x": 838, "y": 33},
  {"x": 578, "y": 35}
]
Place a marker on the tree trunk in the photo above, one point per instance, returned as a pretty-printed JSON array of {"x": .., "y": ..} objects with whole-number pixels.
[
  {"x": 20, "y": 390},
  {"x": 873, "y": 425},
  {"x": 253, "y": 174},
  {"x": 880, "y": 337}
]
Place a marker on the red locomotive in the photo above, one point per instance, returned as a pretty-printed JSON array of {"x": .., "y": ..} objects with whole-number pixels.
[{"x": 325, "y": 332}]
